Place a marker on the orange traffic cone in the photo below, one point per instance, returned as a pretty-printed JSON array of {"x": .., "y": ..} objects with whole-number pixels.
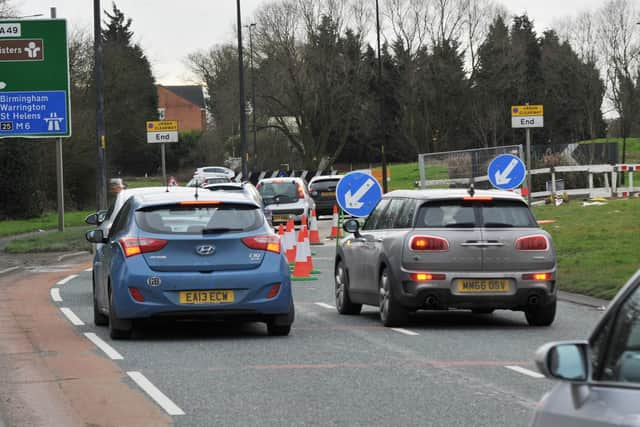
[
  {"x": 301, "y": 269},
  {"x": 335, "y": 231},
  {"x": 303, "y": 221},
  {"x": 314, "y": 234},
  {"x": 290, "y": 242}
]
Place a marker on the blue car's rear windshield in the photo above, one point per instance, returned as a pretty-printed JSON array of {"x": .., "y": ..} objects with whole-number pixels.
[
  {"x": 463, "y": 214},
  {"x": 199, "y": 219}
]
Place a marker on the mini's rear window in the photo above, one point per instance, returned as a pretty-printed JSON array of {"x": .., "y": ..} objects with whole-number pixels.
[
  {"x": 199, "y": 219},
  {"x": 465, "y": 214}
]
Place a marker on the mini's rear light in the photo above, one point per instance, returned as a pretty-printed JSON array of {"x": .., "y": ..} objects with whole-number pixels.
[
  {"x": 273, "y": 291},
  {"x": 136, "y": 295},
  {"x": 269, "y": 243},
  {"x": 429, "y": 243},
  {"x": 426, "y": 277},
  {"x": 300, "y": 192},
  {"x": 135, "y": 246},
  {"x": 532, "y": 243},
  {"x": 200, "y": 203},
  {"x": 540, "y": 277},
  {"x": 478, "y": 198}
]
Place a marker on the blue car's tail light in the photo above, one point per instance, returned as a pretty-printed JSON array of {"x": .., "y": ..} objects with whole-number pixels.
[
  {"x": 141, "y": 245},
  {"x": 268, "y": 242},
  {"x": 273, "y": 291},
  {"x": 135, "y": 293}
]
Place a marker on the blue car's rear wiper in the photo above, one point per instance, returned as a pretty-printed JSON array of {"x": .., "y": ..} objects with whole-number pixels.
[{"x": 219, "y": 230}]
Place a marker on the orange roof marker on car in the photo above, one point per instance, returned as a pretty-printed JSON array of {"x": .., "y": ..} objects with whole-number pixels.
[
  {"x": 546, "y": 221},
  {"x": 200, "y": 202},
  {"x": 479, "y": 198}
]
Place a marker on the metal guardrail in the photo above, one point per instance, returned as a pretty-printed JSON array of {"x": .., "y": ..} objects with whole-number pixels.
[{"x": 610, "y": 175}]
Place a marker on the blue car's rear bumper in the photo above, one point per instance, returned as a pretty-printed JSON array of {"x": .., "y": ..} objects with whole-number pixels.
[{"x": 250, "y": 289}]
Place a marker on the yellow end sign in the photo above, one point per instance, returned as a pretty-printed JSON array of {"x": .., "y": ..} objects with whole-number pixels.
[
  {"x": 527, "y": 110},
  {"x": 162, "y": 126}
]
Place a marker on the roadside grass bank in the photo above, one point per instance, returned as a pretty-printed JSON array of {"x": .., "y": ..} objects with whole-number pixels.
[
  {"x": 405, "y": 175},
  {"x": 597, "y": 246},
  {"x": 633, "y": 148},
  {"x": 47, "y": 222},
  {"x": 71, "y": 240},
  {"x": 143, "y": 182}
]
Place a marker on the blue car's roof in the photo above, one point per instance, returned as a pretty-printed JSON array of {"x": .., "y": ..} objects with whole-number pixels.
[{"x": 158, "y": 199}]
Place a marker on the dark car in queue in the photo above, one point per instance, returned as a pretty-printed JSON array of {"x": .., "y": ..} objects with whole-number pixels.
[
  {"x": 286, "y": 198},
  {"x": 177, "y": 256},
  {"x": 441, "y": 249},
  {"x": 323, "y": 191},
  {"x": 600, "y": 377}
]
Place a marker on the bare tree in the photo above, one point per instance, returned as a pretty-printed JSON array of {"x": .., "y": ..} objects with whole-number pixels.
[
  {"x": 7, "y": 10},
  {"x": 479, "y": 14},
  {"x": 408, "y": 20}
]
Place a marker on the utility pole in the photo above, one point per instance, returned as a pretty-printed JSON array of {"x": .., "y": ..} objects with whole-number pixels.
[
  {"x": 243, "y": 112},
  {"x": 384, "y": 131},
  {"x": 59, "y": 168},
  {"x": 253, "y": 98},
  {"x": 101, "y": 178}
]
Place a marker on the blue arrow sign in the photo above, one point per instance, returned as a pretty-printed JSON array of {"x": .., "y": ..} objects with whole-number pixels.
[
  {"x": 506, "y": 172},
  {"x": 33, "y": 113},
  {"x": 358, "y": 193}
]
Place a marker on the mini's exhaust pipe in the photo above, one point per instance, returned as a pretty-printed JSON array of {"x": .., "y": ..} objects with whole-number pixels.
[
  {"x": 431, "y": 300},
  {"x": 533, "y": 300}
]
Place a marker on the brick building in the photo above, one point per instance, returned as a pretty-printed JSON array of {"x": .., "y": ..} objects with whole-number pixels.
[{"x": 184, "y": 104}]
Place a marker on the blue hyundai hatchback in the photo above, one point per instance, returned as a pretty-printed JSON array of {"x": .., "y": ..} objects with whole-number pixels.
[{"x": 179, "y": 256}]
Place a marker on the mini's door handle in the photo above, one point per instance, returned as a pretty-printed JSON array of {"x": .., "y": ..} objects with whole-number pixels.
[{"x": 378, "y": 240}]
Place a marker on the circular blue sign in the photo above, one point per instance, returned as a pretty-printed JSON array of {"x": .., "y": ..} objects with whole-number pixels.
[
  {"x": 358, "y": 193},
  {"x": 506, "y": 172}
]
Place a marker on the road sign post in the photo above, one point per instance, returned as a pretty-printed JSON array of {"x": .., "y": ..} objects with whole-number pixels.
[
  {"x": 527, "y": 117},
  {"x": 162, "y": 132},
  {"x": 358, "y": 193},
  {"x": 34, "y": 86}
]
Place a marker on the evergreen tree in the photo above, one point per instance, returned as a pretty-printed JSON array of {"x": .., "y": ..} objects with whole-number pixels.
[{"x": 130, "y": 99}]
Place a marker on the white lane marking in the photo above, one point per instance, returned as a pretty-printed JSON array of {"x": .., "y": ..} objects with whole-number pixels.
[
  {"x": 108, "y": 350},
  {"x": 89, "y": 269},
  {"x": 323, "y": 305},
  {"x": 525, "y": 371},
  {"x": 55, "y": 295},
  {"x": 160, "y": 398},
  {"x": 75, "y": 320},
  {"x": 7, "y": 270},
  {"x": 67, "y": 279},
  {"x": 405, "y": 331}
]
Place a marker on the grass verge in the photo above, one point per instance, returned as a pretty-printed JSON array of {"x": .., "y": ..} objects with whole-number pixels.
[
  {"x": 597, "y": 246},
  {"x": 633, "y": 148},
  {"x": 47, "y": 222},
  {"x": 67, "y": 241}
]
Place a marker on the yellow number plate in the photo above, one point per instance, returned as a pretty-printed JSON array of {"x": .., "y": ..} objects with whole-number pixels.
[
  {"x": 477, "y": 286},
  {"x": 206, "y": 297},
  {"x": 281, "y": 217},
  {"x": 329, "y": 193}
]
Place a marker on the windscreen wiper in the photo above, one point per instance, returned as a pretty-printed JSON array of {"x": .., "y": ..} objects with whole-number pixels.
[
  {"x": 220, "y": 230},
  {"x": 497, "y": 225}
]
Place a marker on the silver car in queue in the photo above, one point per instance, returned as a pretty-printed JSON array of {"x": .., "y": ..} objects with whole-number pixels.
[{"x": 442, "y": 249}]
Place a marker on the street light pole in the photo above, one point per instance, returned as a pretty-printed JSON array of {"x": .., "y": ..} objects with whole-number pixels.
[
  {"x": 384, "y": 136},
  {"x": 101, "y": 178},
  {"x": 253, "y": 98},
  {"x": 243, "y": 112}
]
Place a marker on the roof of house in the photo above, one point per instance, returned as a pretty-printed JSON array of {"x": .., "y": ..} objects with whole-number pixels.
[{"x": 192, "y": 93}]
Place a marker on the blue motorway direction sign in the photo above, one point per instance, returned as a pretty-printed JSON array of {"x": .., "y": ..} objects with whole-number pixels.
[
  {"x": 358, "y": 193},
  {"x": 506, "y": 172},
  {"x": 37, "y": 113}
]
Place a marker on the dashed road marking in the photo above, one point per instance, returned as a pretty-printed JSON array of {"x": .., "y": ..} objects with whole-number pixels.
[
  {"x": 55, "y": 295},
  {"x": 10, "y": 269},
  {"x": 75, "y": 320},
  {"x": 525, "y": 371},
  {"x": 405, "y": 332},
  {"x": 160, "y": 398},
  {"x": 323, "y": 305},
  {"x": 67, "y": 279},
  {"x": 108, "y": 350}
]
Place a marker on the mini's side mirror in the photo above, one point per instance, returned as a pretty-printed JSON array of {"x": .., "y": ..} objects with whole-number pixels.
[
  {"x": 351, "y": 226},
  {"x": 92, "y": 219},
  {"x": 95, "y": 236},
  {"x": 565, "y": 361}
]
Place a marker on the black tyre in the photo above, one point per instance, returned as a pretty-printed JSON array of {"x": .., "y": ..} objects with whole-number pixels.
[
  {"x": 482, "y": 310},
  {"x": 118, "y": 328},
  {"x": 343, "y": 302},
  {"x": 99, "y": 318},
  {"x": 541, "y": 315},
  {"x": 391, "y": 313}
]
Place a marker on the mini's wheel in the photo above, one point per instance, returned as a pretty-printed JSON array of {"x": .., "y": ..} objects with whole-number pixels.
[
  {"x": 343, "y": 301},
  {"x": 391, "y": 313}
]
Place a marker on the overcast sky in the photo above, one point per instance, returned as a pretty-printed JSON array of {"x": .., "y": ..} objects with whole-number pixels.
[{"x": 169, "y": 30}]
